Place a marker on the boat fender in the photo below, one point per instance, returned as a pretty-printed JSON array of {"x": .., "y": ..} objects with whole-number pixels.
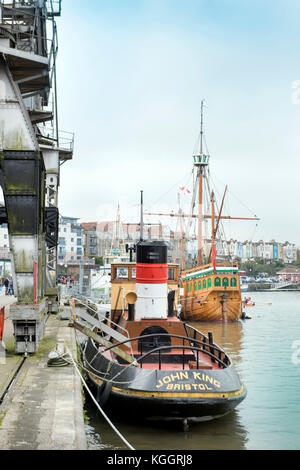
[{"x": 103, "y": 393}]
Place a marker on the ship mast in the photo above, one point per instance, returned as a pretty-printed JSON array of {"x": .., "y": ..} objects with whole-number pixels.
[{"x": 200, "y": 161}]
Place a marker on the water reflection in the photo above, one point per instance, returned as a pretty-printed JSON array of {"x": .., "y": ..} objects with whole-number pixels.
[
  {"x": 269, "y": 417},
  {"x": 223, "y": 433},
  {"x": 228, "y": 336}
]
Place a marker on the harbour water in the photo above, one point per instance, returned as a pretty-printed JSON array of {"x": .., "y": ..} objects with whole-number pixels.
[{"x": 266, "y": 352}]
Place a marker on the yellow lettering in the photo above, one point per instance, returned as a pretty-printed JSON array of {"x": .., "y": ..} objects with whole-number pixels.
[
  {"x": 207, "y": 387},
  {"x": 217, "y": 384},
  {"x": 175, "y": 376},
  {"x": 197, "y": 375},
  {"x": 184, "y": 375},
  {"x": 209, "y": 379},
  {"x": 160, "y": 384},
  {"x": 176, "y": 387},
  {"x": 170, "y": 387},
  {"x": 194, "y": 386},
  {"x": 202, "y": 386},
  {"x": 167, "y": 379},
  {"x": 188, "y": 387}
]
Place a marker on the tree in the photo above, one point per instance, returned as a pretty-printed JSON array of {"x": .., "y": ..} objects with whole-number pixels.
[{"x": 99, "y": 260}]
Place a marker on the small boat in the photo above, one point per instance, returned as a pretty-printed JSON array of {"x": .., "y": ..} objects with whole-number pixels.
[
  {"x": 147, "y": 362},
  {"x": 249, "y": 303}
]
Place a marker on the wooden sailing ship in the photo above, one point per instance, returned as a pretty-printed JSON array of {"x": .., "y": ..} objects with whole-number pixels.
[{"x": 211, "y": 291}]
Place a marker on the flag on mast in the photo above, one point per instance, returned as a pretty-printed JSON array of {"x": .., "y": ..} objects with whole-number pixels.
[
  {"x": 185, "y": 190},
  {"x": 214, "y": 256}
]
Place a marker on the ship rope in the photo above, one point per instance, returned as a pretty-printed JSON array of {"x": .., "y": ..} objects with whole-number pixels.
[
  {"x": 112, "y": 380},
  {"x": 185, "y": 178},
  {"x": 97, "y": 404}
]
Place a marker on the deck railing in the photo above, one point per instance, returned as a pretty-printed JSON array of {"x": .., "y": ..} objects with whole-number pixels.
[{"x": 205, "y": 347}]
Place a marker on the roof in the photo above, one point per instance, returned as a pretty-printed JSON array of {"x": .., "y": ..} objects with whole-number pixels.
[
  {"x": 289, "y": 271},
  {"x": 89, "y": 225}
]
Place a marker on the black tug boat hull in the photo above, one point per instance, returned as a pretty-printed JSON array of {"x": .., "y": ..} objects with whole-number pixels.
[{"x": 199, "y": 395}]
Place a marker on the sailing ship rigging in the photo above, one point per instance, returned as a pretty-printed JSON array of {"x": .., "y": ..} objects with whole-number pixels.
[{"x": 211, "y": 291}]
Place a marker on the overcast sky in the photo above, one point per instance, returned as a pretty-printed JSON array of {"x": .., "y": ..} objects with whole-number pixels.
[{"x": 131, "y": 76}]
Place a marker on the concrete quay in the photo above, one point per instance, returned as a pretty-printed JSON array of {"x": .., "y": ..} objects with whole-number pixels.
[{"x": 43, "y": 409}]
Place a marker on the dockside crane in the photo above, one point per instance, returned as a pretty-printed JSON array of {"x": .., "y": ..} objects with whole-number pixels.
[{"x": 31, "y": 155}]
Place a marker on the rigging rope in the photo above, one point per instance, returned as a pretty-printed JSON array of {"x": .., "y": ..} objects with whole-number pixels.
[
  {"x": 112, "y": 380},
  {"x": 169, "y": 190},
  {"x": 97, "y": 404}
]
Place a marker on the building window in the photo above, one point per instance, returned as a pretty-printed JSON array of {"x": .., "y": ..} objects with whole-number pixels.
[
  {"x": 133, "y": 273},
  {"x": 204, "y": 283},
  {"x": 217, "y": 282},
  {"x": 195, "y": 286},
  {"x": 79, "y": 242},
  {"x": 93, "y": 241},
  {"x": 199, "y": 285},
  {"x": 233, "y": 282},
  {"x": 209, "y": 282}
]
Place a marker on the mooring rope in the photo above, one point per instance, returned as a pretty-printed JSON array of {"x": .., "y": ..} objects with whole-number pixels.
[{"x": 97, "y": 404}]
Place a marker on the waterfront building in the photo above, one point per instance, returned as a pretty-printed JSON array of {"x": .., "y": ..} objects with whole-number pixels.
[
  {"x": 90, "y": 240},
  {"x": 289, "y": 252},
  {"x": 5, "y": 257},
  {"x": 289, "y": 274},
  {"x": 101, "y": 239},
  {"x": 70, "y": 240}
]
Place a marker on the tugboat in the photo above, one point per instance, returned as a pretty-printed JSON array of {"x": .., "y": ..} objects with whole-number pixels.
[{"x": 146, "y": 362}]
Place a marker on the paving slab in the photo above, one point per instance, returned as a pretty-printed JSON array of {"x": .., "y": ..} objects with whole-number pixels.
[{"x": 44, "y": 409}]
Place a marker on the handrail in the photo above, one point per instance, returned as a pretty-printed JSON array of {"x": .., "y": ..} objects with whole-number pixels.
[
  {"x": 212, "y": 346},
  {"x": 100, "y": 314},
  {"x": 181, "y": 347}
]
